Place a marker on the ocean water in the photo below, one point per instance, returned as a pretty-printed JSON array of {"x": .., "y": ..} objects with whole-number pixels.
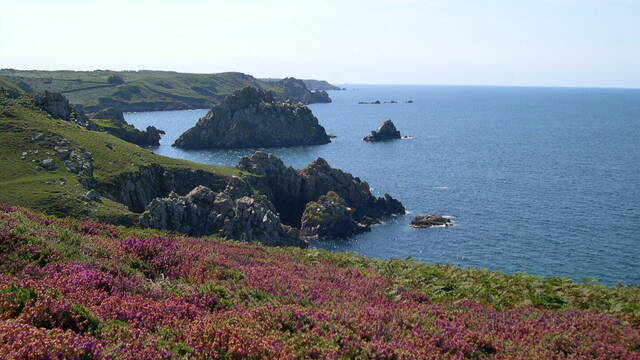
[{"x": 542, "y": 180}]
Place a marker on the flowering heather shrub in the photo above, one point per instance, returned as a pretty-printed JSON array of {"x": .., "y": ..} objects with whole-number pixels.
[{"x": 110, "y": 293}]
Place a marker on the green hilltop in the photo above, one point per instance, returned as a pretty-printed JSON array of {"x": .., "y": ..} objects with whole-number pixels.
[{"x": 142, "y": 90}]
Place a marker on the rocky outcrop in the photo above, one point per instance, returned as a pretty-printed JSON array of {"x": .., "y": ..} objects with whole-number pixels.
[
  {"x": 425, "y": 221},
  {"x": 252, "y": 118},
  {"x": 120, "y": 128},
  {"x": 204, "y": 212},
  {"x": 290, "y": 190},
  {"x": 295, "y": 90},
  {"x": 329, "y": 217},
  {"x": 57, "y": 106},
  {"x": 386, "y": 131},
  {"x": 137, "y": 189}
]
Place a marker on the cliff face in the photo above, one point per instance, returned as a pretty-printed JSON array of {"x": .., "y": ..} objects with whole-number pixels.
[
  {"x": 291, "y": 190},
  {"x": 137, "y": 189},
  {"x": 252, "y": 118},
  {"x": 295, "y": 90},
  {"x": 231, "y": 213}
]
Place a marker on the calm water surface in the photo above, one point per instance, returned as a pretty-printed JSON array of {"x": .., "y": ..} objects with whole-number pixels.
[{"x": 543, "y": 180}]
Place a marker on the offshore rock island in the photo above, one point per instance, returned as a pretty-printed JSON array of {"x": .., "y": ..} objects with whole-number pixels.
[{"x": 251, "y": 118}]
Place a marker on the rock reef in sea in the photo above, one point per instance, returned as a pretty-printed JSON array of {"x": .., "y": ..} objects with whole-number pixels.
[{"x": 386, "y": 131}]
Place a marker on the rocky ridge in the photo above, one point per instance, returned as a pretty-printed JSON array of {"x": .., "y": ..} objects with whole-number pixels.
[
  {"x": 251, "y": 118},
  {"x": 295, "y": 90},
  {"x": 290, "y": 191},
  {"x": 122, "y": 129}
]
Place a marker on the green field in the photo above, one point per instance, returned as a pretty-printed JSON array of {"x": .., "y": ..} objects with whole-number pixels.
[{"x": 140, "y": 91}]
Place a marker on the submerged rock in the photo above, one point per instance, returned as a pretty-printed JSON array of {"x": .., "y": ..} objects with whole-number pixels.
[
  {"x": 386, "y": 131},
  {"x": 425, "y": 221},
  {"x": 251, "y": 117},
  {"x": 329, "y": 217}
]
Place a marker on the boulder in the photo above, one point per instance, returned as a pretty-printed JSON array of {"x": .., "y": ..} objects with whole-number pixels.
[
  {"x": 47, "y": 164},
  {"x": 251, "y": 118},
  {"x": 425, "y": 221},
  {"x": 386, "y": 131},
  {"x": 329, "y": 217}
]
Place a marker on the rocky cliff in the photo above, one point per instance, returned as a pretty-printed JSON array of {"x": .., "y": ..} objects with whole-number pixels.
[
  {"x": 57, "y": 106},
  {"x": 295, "y": 90},
  {"x": 290, "y": 191},
  {"x": 137, "y": 189},
  {"x": 251, "y": 118},
  {"x": 230, "y": 214},
  {"x": 329, "y": 217}
]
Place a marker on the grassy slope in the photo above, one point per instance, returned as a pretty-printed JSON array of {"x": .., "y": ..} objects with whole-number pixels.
[
  {"x": 22, "y": 182},
  {"x": 87, "y": 87},
  {"x": 138, "y": 294}
]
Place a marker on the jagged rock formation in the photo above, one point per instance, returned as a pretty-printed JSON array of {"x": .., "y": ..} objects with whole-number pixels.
[
  {"x": 329, "y": 217},
  {"x": 251, "y": 118},
  {"x": 137, "y": 189},
  {"x": 425, "y": 221},
  {"x": 203, "y": 212},
  {"x": 56, "y": 105},
  {"x": 386, "y": 131},
  {"x": 295, "y": 90},
  {"x": 290, "y": 190}
]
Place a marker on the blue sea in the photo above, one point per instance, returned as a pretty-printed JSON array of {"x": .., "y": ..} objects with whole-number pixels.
[{"x": 541, "y": 180}]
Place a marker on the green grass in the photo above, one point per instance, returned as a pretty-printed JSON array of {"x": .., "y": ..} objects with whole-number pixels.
[
  {"x": 150, "y": 90},
  {"x": 23, "y": 182}
]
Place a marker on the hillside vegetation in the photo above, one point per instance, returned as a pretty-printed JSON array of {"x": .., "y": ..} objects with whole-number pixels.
[
  {"x": 28, "y": 136},
  {"x": 83, "y": 290},
  {"x": 136, "y": 90}
]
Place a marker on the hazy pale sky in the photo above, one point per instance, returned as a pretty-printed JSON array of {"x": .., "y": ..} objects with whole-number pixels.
[{"x": 474, "y": 42}]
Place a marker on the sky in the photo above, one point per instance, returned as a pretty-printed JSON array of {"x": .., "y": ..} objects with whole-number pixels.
[{"x": 450, "y": 42}]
